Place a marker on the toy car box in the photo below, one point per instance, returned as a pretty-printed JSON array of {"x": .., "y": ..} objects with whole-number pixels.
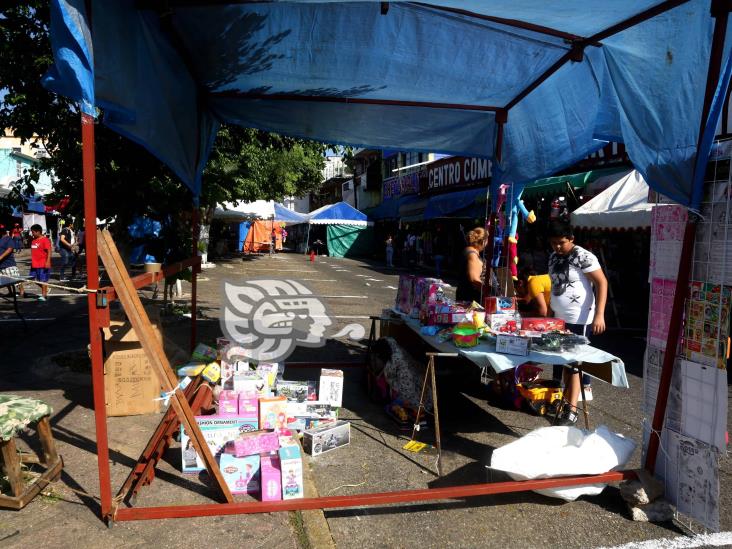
[
  {"x": 299, "y": 391},
  {"x": 542, "y": 324},
  {"x": 509, "y": 344},
  {"x": 502, "y": 322},
  {"x": 500, "y": 305},
  {"x": 327, "y": 437}
]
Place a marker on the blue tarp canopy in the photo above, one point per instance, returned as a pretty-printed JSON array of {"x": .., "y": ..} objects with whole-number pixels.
[
  {"x": 339, "y": 213},
  {"x": 389, "y": 208},
  {"x": 438, "y": 76},
  {"x": 281, "y": 213},
  {"x": 444, "y": 205}
]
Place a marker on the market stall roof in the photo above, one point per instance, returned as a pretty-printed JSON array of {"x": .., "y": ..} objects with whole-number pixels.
[
  {"x": 259, "y": 209},
  {"x": 389, "y": 208},
  {"x": 623, "y": 205},
  {"x": 577, "y": 181},
  {"x": 443, "y": 76},
  {"x": 445, "y": 205},
  {"x": 285, "y": 215},
  {"x": 339, "y": 213}
]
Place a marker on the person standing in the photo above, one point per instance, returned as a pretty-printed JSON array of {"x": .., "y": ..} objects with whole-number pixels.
[
  {"x": 8, "y": 266},
  {"x": 65, "y": 248},
  {"x": 579, "y": 295},
  {"x": 389, "y": 251},
  {"x": 40, "y": 259},
  {"x": 438, "y": 249},
  {"x": 78, "y": 249},
  {"x": 470, "y": 285},
  {"x": 17, "y": 235}
]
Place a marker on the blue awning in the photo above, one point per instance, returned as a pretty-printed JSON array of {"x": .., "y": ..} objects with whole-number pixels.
[
  {"x": 444, "y": 205},
  {"x": 281, "y": 213},
  {"x": 389, "y": 208},
  {"x": 419, "y": 78}
]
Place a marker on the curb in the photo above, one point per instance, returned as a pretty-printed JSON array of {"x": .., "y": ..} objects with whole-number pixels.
[{"x": 314, "y": 522}]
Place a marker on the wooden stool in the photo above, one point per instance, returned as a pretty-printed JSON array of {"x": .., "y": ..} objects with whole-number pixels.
[{"x": 16, "y": 413}]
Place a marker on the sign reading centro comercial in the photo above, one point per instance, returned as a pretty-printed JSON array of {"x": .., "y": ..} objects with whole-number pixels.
[{"x": 457, "y": 171}]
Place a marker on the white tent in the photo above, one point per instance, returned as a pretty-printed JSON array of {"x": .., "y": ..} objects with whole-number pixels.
[
  {"x": 259, "y": 209},
  {"x": 623, "y": 205}
]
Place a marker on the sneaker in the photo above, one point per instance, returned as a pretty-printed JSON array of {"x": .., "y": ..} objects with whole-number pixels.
[
  {"x": 568, "y": 416},
  {"x": 588, "y": 393},
  {"x": 41, "y": 298}
]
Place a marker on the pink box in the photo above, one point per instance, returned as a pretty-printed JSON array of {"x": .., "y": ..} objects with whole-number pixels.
[
  {"x": 257, "y": 442},
  {"x": 271, "y": 473},
  {"x": 248, "y": 405},
  {"x": 228, "y": 404}
]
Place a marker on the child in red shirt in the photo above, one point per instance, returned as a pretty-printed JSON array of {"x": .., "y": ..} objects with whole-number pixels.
[{"x": 40, "y": 259}]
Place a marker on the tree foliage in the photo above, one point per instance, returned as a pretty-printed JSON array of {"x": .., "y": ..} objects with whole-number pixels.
[{"x": 245, "y": 164}]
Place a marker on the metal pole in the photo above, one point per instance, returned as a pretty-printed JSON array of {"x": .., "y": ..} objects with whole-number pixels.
[
  {"x": 720, "y": 12},
  {"x": 95, "y": 334},
  {"x": 194, "y": 277}
]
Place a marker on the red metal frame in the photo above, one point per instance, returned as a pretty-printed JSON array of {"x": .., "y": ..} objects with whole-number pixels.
[{"x": 98, "y": 314}]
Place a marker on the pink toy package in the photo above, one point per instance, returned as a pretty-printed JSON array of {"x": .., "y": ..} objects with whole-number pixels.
[
  {"x": 228, "y": 404},
  {"x": 271, "y": 474},
  {"x": 258, "y": 442},
  {"x": 248, "y": 405},
  {"x": 405, "y": 293},
  {"x": 273, "y": 413}
]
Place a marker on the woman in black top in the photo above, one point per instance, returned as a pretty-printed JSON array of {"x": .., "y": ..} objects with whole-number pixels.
[{"x": 471, "y": 277}]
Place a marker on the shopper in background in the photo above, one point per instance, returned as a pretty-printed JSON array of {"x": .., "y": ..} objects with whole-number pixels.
[
  {"x": 8, "y": 266},
  {"x": 535, "y": 290},
  {"x": 389, "y": 251},
  {"x": 40, "y": 259},
  {"x": 438, "y": 249},
  {"x": 471, "y": 277},
  {"x": 17, "y": 235},
  {"x": 576, "y": 277},
  {"x": 66, "y": 241}
]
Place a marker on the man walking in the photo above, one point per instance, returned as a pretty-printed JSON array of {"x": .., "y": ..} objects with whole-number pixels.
[{"x": 65, "y": 248}]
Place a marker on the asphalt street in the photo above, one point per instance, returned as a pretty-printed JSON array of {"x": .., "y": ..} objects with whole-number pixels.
[{"x": 351, "y": 291}]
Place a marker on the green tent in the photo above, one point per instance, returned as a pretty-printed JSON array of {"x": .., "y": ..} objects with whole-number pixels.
[{"x": 350, "y": 240}]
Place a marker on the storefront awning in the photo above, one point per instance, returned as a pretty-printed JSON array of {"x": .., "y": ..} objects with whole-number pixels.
[
  {"x": 413, "y": 210},
  {"x": 389, "y": 209},
  {"x": 445, "y": 205},
  {"x": 559, "y": 183}
]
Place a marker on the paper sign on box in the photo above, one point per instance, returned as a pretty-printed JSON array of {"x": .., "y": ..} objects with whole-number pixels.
[{"x": 331, "y": 387}]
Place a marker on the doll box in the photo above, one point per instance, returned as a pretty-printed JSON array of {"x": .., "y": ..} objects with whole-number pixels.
[
  {"x": 271, "y": 477},
  {"x": 256, "y": 443},
  {"x": 228, "y": 404},
  {"x": 291, "y": 465},
  {"x": 273, "y": 413},
  {"x": 241, "y": 474},
  {"x": 217, "y": 431}
]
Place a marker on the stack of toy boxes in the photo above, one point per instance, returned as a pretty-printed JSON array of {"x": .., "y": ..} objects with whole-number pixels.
[{"x": 501, "y": 314}]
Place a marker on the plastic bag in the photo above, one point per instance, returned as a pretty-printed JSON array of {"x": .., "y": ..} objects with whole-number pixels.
[{"x": 564, "y": 451}]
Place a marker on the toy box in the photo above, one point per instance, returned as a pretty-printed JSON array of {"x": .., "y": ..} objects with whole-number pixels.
[
  {"x": 327, "y": 437},
  {"x": 257, "y": 442},
  {"x": 426, "y": 291},
  {"x": 271, "y": 477},
  {"x": 204, "y": 353},
  {"x": 331, "y": 387},
  {"x": 271, "y": 372},
  {"x": 500, "y": 305},
  {"x": 251, "y": 383},
  {"x": 510, "y": 344},
  {"x": 241, "y": 474},
  {"x": 542, "y": 324},
  {"x": 291, "y": 466},
  {"x": 228, "y": 404},
  {"x": 217, "y": 431},
  {"x": 298, "y": 391},
  {"x": 405, "y": 294},
  {"x": 503, "y": 322},
  {"x": 273, "y": 413},
  {"x": 249, "y": 412}
]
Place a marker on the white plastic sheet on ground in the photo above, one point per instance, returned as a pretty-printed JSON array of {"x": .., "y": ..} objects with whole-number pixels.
[{"x": 564, "y": 451}]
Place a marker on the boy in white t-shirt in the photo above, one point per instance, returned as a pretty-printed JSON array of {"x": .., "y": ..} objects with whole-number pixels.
[{"x": 575, "y": 273}]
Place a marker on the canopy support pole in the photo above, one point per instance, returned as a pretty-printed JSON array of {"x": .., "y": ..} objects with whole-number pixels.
[
  {"x": 720, "y": 11},
  {"x": 492, "y": 217},
  {"x": 307, "y": 240},
  {"x": 95, "y": 321},
  {"x": 194, "y": 277}
]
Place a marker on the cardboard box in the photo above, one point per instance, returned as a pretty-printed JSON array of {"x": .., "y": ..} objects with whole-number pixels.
[
  {"x": 130, "y": 383},
  {"x": 258, "y": 442},
  {"x": 331, "y": 387},
  {"x": 298, "y": 391},
  {"x": 217, "y": 431},
  {"x": 251, "y": 383},
  {"x": 509, "y": 344},
  {"x": 241, "y": 474},
  {"x": 273, "y": 413},
  {"x": 249, "y": 411},
  {"x": 502, "y": 322},
  {"x": 271, "y": 477},
  {"x": 499, "y": 305},
  {"x": 291, "y": 465},
  {"x": 542, "y": 325},
  {"x": 327, "y": 437}
]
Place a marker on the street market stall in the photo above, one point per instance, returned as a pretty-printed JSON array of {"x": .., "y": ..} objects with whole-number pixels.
[
  {"x": 347, "y": 230},
  {"x": 571, "y": 75},
  {"x": 622, "y": 206}
]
